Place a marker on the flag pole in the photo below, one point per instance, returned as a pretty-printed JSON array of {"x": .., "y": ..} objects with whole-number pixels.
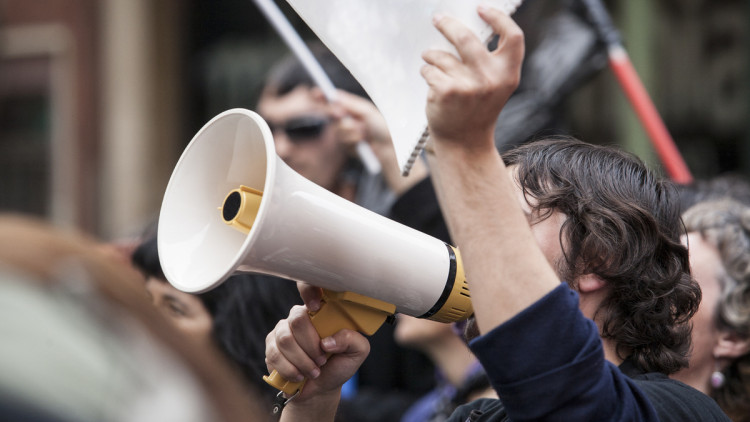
[
  {"x": 630, "y": 82},
  {"x": 313, "y": 67}
]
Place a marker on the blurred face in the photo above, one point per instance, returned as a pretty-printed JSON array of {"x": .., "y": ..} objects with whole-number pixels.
[
  {"x": 420, "y": 334},
  {"x": 705, "y": 264},
  {"x": 184, "y": 310},
  {"x": 546, "y": 233},
  {"x": 304, "y": 136}
]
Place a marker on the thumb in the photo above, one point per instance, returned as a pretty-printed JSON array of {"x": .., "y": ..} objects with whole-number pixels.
[
  {"x": 311, "y": 295},
  {"x": 346, "y": 343}
]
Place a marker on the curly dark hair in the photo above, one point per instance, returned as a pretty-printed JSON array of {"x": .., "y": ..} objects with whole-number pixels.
[{"x": 623, "y": 225}]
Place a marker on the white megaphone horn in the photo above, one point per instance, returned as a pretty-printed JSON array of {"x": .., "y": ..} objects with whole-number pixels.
[{"x": 232, "y": 205}]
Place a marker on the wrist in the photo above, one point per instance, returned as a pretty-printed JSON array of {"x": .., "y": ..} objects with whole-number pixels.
[
  {"x": 320, "y": 407},
  {"x": 464, "y": 149},
  {"x": 464, "y": 143}
]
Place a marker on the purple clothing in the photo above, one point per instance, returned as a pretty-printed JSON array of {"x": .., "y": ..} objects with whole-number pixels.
[{"x": 438, "y": 404}]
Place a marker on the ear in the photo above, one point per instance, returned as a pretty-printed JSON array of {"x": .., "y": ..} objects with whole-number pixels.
[
  {"x": 589, "y": 283},
  {"x": 592, "y": 292},
  {"x": 731, "y": 345}
]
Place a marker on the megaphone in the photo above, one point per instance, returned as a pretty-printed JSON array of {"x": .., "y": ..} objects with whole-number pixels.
[{"x": 232, "y": 205}]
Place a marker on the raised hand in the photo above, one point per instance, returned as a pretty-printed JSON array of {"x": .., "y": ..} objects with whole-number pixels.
[
  {"x": 358, "y": 119},
  {"x": 468, "y": 92}
]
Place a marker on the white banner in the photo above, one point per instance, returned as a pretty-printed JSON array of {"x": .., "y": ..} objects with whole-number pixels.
[{"x": 381, "y": 42}]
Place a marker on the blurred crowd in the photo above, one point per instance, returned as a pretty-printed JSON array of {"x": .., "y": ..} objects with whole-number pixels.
[{"x": 94, "y": 331}]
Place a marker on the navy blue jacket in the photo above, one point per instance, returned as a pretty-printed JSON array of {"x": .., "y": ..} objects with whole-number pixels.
[{"x": 547, "y": 364}]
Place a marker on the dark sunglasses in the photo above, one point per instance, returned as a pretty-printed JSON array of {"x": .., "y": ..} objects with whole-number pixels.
[{"x": 302, "y": 129}]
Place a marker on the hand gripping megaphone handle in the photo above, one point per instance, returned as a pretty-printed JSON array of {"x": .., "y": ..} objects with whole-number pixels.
[{"x": 339, "y": 310}]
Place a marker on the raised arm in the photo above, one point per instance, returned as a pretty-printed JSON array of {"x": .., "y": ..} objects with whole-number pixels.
[{"x": 506, "y": 269}]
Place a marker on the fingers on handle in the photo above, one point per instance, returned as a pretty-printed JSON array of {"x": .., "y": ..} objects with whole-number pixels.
[
  {"x": 306, "y": 336},
  {"x": 348, "y": 350},
  {"x": 276, "y": 359},
  {"x": 293, "y": 347},
  {"x": 347, "y": 342}
]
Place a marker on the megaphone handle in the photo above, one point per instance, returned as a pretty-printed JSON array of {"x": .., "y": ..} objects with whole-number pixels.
[{"x": 339, "y": 310}]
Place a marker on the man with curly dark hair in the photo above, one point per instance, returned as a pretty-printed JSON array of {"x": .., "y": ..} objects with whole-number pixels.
[
  {"x": 620, "y": 226},
  {"x": 597, "y": 348}
]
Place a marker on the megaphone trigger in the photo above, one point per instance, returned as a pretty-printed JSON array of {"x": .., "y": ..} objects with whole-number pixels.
[{"x": 338, "y": 311}]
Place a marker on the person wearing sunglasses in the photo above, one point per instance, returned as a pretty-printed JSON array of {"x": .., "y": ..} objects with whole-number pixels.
[{"x": 317, "y": 139}]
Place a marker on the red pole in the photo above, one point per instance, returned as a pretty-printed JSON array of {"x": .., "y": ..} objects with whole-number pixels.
[
  {"x": 643, "y": 106},
  {"x": 631, "y": 84}
]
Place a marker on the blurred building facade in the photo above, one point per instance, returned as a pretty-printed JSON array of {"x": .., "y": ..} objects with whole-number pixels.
[
  {"x": 89, "y": 109},
  {"x": 99, "y": 97}
]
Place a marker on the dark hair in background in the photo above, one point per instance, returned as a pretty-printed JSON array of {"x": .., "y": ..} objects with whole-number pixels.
[
  {"x": 146, "y": 258},
  {"x": 727, "y": 185},
  {"x": 623, "y": 225},
  {"x": 245, "y": 308},
  {"x": 289, "y": 73}
]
